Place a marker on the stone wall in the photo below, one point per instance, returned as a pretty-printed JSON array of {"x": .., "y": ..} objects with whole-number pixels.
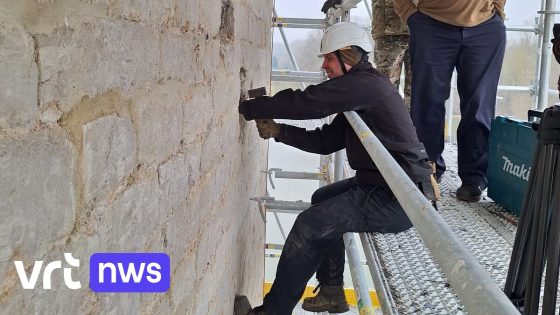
[{"x": 119, "y": 132}]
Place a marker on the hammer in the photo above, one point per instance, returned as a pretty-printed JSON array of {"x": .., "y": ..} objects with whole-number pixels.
[{"x": 257, "y": 92}]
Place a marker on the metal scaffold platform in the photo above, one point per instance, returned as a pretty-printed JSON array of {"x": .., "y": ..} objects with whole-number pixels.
[{"x": 415, "y": 281}]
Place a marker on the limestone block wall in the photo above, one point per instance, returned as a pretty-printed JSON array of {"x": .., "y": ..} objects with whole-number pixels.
[{"x": 119, "y": 132}]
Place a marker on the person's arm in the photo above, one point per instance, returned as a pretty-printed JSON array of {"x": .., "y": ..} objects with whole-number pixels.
[
  {"x": 499, "y": 6},
  {"x": 404, "y": 9},
  {"x": 316, "y": 101},
  {"x": 324, "y": 140}
]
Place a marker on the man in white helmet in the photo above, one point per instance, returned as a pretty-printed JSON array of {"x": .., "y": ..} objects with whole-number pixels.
[{"x": 363, "y": 203}]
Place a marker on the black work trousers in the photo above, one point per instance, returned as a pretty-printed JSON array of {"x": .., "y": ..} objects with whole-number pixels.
[{"x": 315, "y": 241}]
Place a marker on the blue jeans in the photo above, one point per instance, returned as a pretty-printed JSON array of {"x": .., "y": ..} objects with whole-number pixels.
[
  {"x": 436, "y": 48},
  {"x": 315, "y": 241}
]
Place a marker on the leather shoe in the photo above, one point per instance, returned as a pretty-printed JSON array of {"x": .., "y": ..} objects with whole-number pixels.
[{"x": 469, "y": 192}]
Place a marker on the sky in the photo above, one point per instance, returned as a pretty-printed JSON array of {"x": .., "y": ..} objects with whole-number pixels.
[{"x": 519, "y": 12}]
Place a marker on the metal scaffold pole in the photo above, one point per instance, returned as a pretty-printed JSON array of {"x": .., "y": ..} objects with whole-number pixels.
[
  {"x": 365, "y": 306},
  {"x": 382, "y": 289},
  {"x": 288, "y": 48},
  {"x": 535, "y": 88},
  {"x": 546, "y": 48},
  {"x": 368, "y": 9}
]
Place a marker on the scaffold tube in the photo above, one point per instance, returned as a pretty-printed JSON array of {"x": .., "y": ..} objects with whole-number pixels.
[
  {"x": 546, "y": 51},
  {"x": 386, "y": 301},
  {"x": 365, "y": 307}
]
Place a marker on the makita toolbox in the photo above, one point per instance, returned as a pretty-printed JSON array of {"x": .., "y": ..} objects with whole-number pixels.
[{"x": 512, "y": 143}]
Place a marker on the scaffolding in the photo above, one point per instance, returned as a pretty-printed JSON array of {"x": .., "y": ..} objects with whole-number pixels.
[{"x": 476, "y": 289}]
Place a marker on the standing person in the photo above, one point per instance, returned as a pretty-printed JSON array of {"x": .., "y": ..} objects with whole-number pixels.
[
  {"x": 390, "y": 35},
  {"x": 468, "y": 35},
  {"x": 363, "y": 203}
]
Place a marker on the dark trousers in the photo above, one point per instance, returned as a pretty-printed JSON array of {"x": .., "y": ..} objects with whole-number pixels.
[
  {"x": 436, "y": 48},
  {"x": 315, "y": 241}
]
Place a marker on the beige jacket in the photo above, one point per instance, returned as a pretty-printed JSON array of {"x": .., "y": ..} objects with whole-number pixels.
[{"x": 455, "y": 12}]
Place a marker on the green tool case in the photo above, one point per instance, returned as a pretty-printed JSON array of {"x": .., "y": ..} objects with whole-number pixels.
[{"x": 512, "y": 143}]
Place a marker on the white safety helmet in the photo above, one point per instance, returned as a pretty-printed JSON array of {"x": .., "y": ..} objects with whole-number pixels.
[{"x": 342, "y": 35}]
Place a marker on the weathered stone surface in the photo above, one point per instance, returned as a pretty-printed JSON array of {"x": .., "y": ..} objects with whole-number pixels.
[
  {"x": 37, "y": 204},
  {"x": 51, "y": 115},
  {"x": 197, "y": 113},
  {"x": 159, "y": 116},
  {"x": 5, "y": 248},
  {"x": 95, "y": 56},
  {"x": 127, "y": 224},
  {"x": 57, "y": 300},
  {"x": 115, "y": 303},
  {"x": 109, "y": 155},
  {"x": 164, "y": 12},
  {"x": 19, "y": 75},
  {"x": 212, "y": 10},
  {"x": 185, "y": 15},
  {"x": 183, "y": 282},
  {"x": 176, "y": 176},
  {"x": 225, "y": 94},
  {"x": 222, "y": 134},
  {"x": 181, "y": 55},
  {"x": 147, "y": 95}
]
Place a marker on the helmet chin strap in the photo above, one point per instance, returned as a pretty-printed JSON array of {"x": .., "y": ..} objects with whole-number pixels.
[{"x": 339, "y": 57}]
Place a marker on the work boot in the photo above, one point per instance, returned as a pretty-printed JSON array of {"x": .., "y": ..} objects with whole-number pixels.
[
  {"x": 469, "y": 192},
  {"x": 241, "y": 305},
  {"x": 329, "y": 299},
  {"x": 259, "y": 310}
]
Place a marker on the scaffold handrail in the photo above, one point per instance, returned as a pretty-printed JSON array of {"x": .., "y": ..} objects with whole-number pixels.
[
  {"x": 476, "y": 289},
  {"x": 304, "y": 21},
  {"x": 527, "y": 29},
  {"x": 315, "y": 74}
]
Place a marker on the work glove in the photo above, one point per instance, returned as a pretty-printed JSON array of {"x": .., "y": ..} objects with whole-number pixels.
[
  {"x": 244, "y": 109},
  {"x": 330, "y": 4},
  {"x": 268, "y": 128}
]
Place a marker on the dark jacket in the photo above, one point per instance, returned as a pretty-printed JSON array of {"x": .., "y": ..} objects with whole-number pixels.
[{"x": 364, "y": 90}]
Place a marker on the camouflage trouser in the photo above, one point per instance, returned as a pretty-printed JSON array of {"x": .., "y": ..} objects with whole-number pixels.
[{"x": 390, "y": 52}]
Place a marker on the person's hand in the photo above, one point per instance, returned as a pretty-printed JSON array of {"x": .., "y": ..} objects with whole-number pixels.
[
  {"x": 243, "y": 108},
  {"x": 499, "y": 9},
  {"x": 329, "y": 4},
  {"x": 268, "y": 128}
]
